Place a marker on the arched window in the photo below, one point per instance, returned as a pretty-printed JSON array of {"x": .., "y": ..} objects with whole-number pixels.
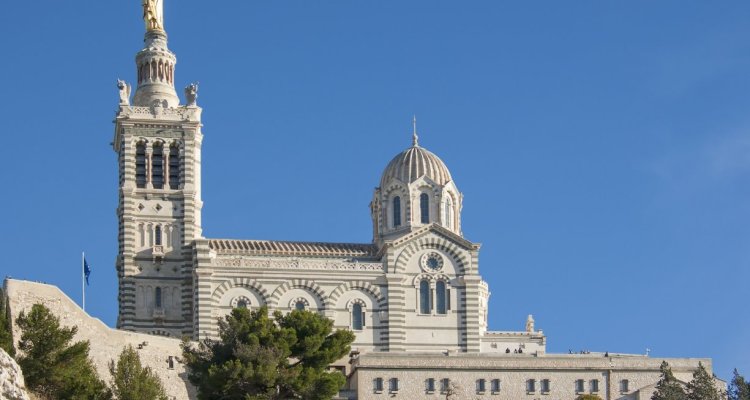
[
  {"x": 357, "y": 317},
  {"x": 174, "y": 167},
  {"x": 448, "y": 213},
  {"x": 299, "y": 305},
  {"x": 157, "y": 166},
  {"x": 158, "y": 297},
  {"x": 396, "y": 212},
  {"x": 424, "y": 207},
  {"x": 440, "y": 295},
  {"x": 140, "y": 165},
  {"x": 157, "y": 236},
  {"x": 242, "y": 303},
  {"x": 424, "y": 297}
]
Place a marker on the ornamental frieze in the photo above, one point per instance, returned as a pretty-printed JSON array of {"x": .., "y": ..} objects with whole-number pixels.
[{"x": 296, "y": 263}]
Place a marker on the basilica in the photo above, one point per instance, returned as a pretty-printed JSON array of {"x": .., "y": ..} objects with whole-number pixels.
[{"x": 413, "y": 296}]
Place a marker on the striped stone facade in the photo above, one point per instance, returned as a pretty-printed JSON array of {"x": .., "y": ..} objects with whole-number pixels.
[{"x": 414, "y": 296}]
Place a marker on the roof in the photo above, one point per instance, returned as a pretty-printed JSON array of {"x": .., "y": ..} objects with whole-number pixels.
[
  {"x": 286, "y": 248},
  {"x": 414, "y": 163}
]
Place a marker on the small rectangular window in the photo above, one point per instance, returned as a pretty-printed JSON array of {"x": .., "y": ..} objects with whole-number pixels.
[
  {"x": 624, "y": 386},
  {"x": 495, "y": 385},
  {"x": 545, "y": 385},
  {"x": 393, "y": 385},
  {"x": 579, "y": 386},
  {"x": 531, "y": 385},
  {"x": 445, "y": 383},
  {"x": 594, "y": 385},
  {"x": 377, "y": 384},
  {"x": 430, "y": 385},
  {"x": 481, "y": 386}
]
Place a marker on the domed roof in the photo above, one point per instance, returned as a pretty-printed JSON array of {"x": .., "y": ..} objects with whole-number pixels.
[{"x": 414, "y": 163}]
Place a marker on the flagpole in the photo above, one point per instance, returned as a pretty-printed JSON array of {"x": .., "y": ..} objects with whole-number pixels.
[{"x": 83, "y": 278}]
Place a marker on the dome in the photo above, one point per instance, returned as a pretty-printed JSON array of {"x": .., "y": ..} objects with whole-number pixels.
[{"x": 414, "y": 163}]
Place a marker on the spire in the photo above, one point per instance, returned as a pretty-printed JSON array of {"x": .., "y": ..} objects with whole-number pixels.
[
  {"x": 414, "y": 136},
  {"x": 155, "y": 62}
]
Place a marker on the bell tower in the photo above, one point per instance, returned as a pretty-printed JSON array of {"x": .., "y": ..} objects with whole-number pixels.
[{"x": 158, "y": 146}]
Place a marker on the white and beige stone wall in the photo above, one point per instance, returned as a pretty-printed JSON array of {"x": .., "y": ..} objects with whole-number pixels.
[
  {"x": 142, "y": 264},
  {"x": 513, "y": 371}
]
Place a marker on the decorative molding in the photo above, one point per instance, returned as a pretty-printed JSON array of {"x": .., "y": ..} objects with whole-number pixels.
[
  {"x": 307, "y": 285},
  {"x": 161, "y": 113},
  {"x": 459, "y": 257},
  {"x": 368, "y": 287},
  {"x": 296, "y": 263},
  {"x": 246, "y": 283}
]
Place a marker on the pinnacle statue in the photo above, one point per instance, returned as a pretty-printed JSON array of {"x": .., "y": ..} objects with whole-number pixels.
[{"x": 153, "y": 14}]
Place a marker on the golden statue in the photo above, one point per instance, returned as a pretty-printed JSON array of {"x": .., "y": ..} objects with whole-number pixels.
[{"x": 153, "y": 14}]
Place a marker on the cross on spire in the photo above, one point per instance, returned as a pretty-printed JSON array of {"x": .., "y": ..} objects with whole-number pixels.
[{"x": 414, "y": 136}]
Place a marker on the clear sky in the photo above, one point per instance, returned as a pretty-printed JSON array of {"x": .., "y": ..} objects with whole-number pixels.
[{"x": 603, "y": 147}]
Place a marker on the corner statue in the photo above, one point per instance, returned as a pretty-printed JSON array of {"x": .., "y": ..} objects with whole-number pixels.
[
  {"x": 124, "y": 89},
  {"x": 153, "y": 14}
]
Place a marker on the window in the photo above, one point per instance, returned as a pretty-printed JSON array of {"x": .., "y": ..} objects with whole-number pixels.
[
  {"x": 377, "y": 384},
  {"x": 157, "y": 167},
  {"x": 448, "y": 213},
  {"x": 242, "y": 304},
  {"x": 594, "y": 385},
  {"x": 140, "y": 165},
  {"x": 357, "y": 317},
  {"x": 445, "y": 384},
  {"x": 545, "y": 385},
  {"x": 396, "y": 212},
  {"x": 157, "y": 236},
  {"x": 174, "y": 167},
  {"x": 424, "y": 297},
  {"x": 393, "y": 385},
  {"x": 299, "y": 305},
  {"x": 495, "y": 385},
  {"x": 424, "y": 207},
  {"x": 440, "y": 303},
  {"x": 531, "y": 385},
  {"x": 157, "y": 296},
  {"x": 429, "y": 385},
  {"x": 481, "y": 386},
  {"x": 624, "y": 386},
  {"x": 579, "y": 386}
]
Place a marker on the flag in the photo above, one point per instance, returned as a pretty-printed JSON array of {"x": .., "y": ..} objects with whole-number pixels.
[{"x": 86, "y": 270}]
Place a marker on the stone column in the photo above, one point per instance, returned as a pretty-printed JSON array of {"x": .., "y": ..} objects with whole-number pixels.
[
  {"x": 472, "y": 313},
  {"x": 165, "y": 163},
  {"x": 149, "y": 167},
  {"x": 396, "y": 313}
]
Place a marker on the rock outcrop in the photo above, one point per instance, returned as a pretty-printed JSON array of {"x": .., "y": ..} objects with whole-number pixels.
[
  {"x": 162, "y": 354},
  {"x": 11, "y": 379}
]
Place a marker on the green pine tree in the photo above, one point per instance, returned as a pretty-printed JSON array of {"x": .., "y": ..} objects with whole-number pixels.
[
  {"x": 6, "y": 332},
  {"x": 668, "y": 388},
  {"x": 702, "y": 387},
  {"x": 52, "y": 367},
  {"x": 131, "y": 381},
  {"x": 258, "y": 357},
  {"x": 739, "y": 388}
]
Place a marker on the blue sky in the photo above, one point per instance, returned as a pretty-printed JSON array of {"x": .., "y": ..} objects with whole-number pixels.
[{"x": 603, "y": 148}]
